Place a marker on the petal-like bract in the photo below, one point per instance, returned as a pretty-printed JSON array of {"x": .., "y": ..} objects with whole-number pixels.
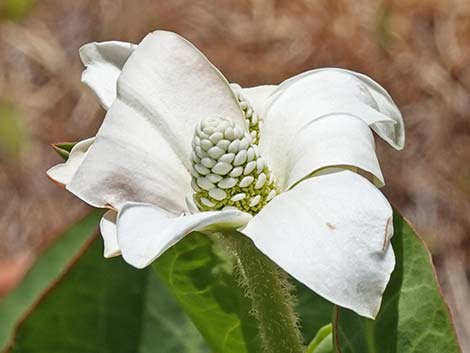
[
  {"x": 331, "y": 233},
  {"x": 294, "y": 115},
  {"x": 104, "y": 62},
  {"x": 146, "y": 231},
  {"x": 339, "y": 140},
  {"x": 392, "y": 131},
  {"x": 109, "y": 234},
  {"x": 62, "y": 173},
  {"x": 142, "y": 150}
]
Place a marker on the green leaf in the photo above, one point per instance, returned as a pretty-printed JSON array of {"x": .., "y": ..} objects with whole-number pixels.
[
  {"x": 413, "y": 317},
  {"x": 103, "y": 306},
  {"x": 323, "y": 341},
  {"x": 314, "y": 311},
  {"x": 325, "y": 346},
  {"x": 166, "y": 325},
  {"x": 80, "y": 308},
  {"x": 47, "y": 269},
  {"x": 63, "y": 149},
  {"x": 199, "y": 275}
]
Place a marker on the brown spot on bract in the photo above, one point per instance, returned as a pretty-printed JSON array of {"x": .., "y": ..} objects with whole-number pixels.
[
  {"x": 331, "y": 226},
  {"x": 386, "y": 237}
]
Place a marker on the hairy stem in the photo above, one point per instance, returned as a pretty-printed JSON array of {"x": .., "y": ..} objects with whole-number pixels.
[{"x": 270, "y": 294}]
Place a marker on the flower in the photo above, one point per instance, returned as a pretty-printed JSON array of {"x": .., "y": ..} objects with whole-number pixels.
[{"x": 182, "y": 150}]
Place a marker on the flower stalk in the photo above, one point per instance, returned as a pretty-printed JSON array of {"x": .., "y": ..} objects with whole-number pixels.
[{"x": 270, "y": 293}]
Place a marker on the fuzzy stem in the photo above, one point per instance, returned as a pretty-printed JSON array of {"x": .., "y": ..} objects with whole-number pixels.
[{"x": 270, "y": 294}]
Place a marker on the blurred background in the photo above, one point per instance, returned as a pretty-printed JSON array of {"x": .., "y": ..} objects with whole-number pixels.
[{"x": 419, "y": 50}]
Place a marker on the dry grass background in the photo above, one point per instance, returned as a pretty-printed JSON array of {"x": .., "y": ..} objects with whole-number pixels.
[{"x": 418, "y": 49}]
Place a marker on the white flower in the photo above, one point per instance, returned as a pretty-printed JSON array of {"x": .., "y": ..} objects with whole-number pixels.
[{"x": 310, "y": 212}]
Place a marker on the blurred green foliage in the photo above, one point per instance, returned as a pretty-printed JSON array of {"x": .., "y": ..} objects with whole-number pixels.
[
  {"x": 15, "y": 9},
  {"x": 13, "y": 136},
  {"x": 323, "y": 341},
  {"x": 382, "y": 30},
  {"x": 49, "y": 267},
  {"x": 463, "y": 182}
]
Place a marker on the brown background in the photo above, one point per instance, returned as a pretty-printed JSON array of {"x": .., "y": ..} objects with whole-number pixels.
[{"x": 419, "y": 50}]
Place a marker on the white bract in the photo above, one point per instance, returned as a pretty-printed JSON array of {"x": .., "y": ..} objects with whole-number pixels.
[{"x": 182, "y": 150}]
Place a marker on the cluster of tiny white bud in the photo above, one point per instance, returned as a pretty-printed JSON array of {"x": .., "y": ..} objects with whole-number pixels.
[
  {"x": 227, "y": 170},
  {"x": 252, "y": 119}
]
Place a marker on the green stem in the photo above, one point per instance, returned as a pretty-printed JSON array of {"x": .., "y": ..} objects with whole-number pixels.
[{"x": 269, "y": 291}]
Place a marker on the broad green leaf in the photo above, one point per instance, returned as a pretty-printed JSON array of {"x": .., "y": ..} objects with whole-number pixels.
[
  {"x": 323, "y": 341},
  {"x": 198, "y": 273},
  {"x": 47, "y": 269},
  {"x": 314, "y": 311},
  {"x": 413, "y": 317},
  {"x": 81, "y": 308},
  {"x": 166, "y": 325},
  {"x": 103, "y": 306},
  {"x": 199, "y": 276}
]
